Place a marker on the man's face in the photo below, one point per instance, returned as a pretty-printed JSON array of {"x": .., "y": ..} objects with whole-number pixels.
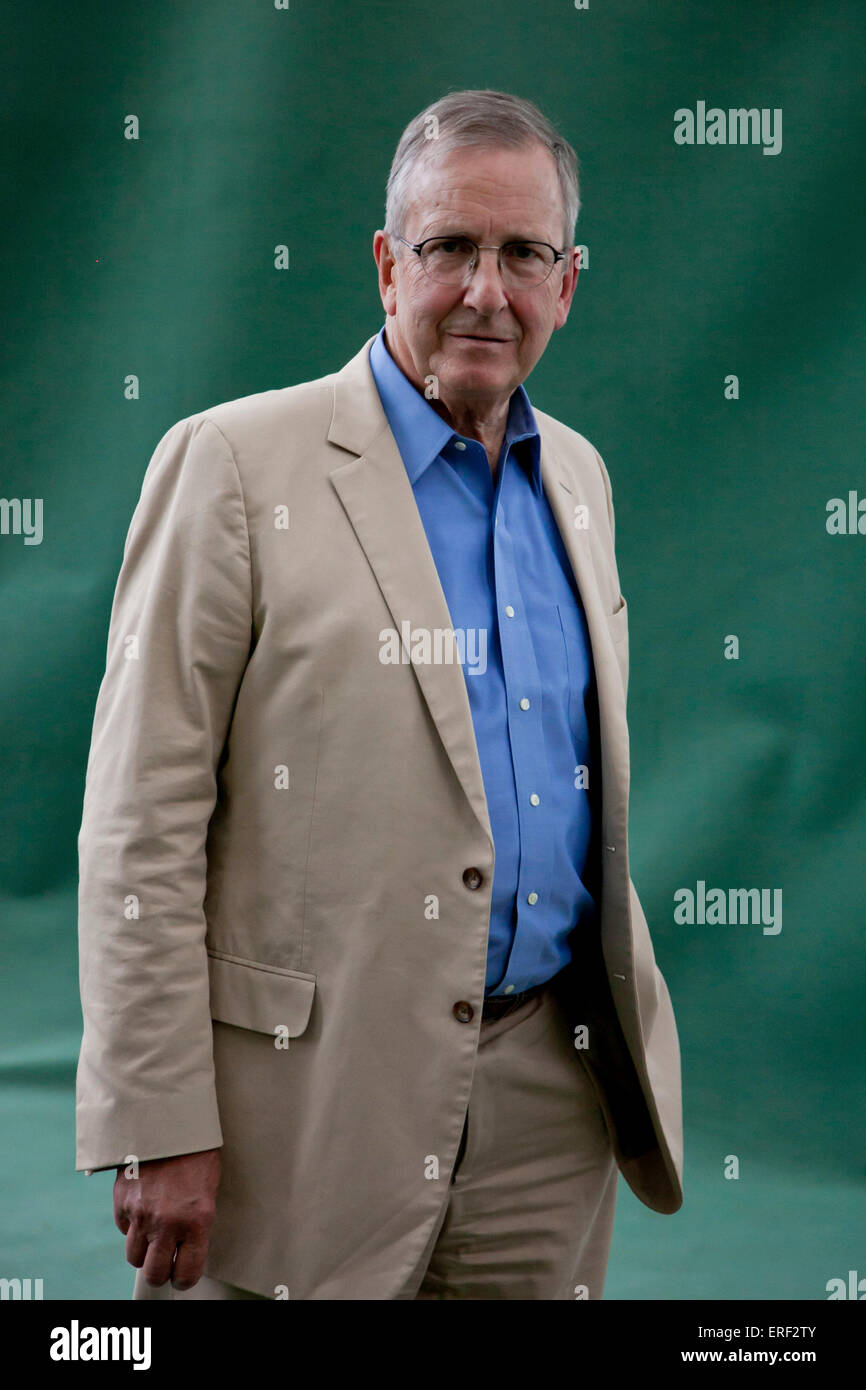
[{"x": 480, "y": 340}]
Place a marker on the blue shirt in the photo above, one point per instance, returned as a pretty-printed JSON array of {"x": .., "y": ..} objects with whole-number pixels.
[{"x": 509, "y": 586}]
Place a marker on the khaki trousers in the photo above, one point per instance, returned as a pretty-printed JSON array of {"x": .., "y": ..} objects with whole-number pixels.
[{"x": 531, "y": 1200}]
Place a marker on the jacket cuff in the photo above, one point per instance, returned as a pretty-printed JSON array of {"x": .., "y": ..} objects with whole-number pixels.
[{"x": 157, "y": 1127}]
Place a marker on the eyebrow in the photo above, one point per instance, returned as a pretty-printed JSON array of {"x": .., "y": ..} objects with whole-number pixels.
[{"x": 449, "y": 232}]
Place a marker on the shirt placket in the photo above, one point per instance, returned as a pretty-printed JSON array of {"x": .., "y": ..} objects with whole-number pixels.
[{"x": 524, "y": 704}]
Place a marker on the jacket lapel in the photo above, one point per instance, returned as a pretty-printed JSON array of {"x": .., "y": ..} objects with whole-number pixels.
[
  {"x": 377, "y": 496},
  {"x": 563, "y": 490}
]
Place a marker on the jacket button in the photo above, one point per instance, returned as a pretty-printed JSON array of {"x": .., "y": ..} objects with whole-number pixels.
[
  {"x": 463, "y": 1011},
  {"x": 473, "y": 878}
]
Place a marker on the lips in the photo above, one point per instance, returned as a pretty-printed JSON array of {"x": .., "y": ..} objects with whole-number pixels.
[{"x": 480, "y": 338}]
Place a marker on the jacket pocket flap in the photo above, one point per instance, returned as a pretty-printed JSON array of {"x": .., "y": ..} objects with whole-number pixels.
[{"x": 263, "y": 998}]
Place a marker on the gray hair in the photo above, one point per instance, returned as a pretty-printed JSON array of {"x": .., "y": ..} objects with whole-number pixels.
[{"x": 486, "y": 118}]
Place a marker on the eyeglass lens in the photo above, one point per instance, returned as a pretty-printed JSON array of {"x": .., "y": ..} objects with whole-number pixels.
[{"x": 524, "y": 263}]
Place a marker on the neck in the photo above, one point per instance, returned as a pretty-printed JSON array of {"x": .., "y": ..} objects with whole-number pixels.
[
  {"x": 487, "y": 425},
  {"x": 483, "y": 421}
]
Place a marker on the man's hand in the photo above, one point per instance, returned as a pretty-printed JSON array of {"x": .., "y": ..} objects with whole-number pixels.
[{"x": 169, "y": 1206}]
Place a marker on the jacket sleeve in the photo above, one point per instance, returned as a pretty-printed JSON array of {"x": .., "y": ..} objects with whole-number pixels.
[{"x": 179, "y": 639}]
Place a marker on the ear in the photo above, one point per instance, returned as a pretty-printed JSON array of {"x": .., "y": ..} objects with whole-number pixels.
[
  {"x": 567, "y": 287},
  {"x": 388, "y": 271}
]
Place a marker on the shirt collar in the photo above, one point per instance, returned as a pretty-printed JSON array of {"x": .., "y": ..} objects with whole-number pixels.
[{"x": 421, "y": 433}]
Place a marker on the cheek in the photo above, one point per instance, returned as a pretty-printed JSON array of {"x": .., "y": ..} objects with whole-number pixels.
[
  {"x": 433, "y": 308},
  {"x": 528, "y": 321},
  {"x": 537, "y": 320},
  {"x": 423, "y": 303}
]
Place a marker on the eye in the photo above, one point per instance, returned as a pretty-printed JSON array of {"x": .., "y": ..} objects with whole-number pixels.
[
  {"x": 451, "y": 245},
  {"x": 520, "y": 251}
]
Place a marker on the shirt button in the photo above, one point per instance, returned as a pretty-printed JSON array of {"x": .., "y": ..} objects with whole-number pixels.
[
  {"x": 463, "y": 1011},
  {"x": 534, "y": 799},
  {"x": 458, "y": 444},
  {"x": 473, "y": 878},
  {"x": 532, "y": 899},
  {"x": 509, "y": 611},
  {"x": 524, "y": 703}
]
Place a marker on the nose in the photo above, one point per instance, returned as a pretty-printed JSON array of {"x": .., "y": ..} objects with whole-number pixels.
[{"x": 485, "y": 291}]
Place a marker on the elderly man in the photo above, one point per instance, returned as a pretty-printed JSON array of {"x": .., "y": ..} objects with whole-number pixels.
[{"x": 371, "y": 1009}]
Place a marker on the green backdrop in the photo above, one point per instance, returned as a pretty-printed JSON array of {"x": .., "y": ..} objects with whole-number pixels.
[{"x": 154, "y": 257}]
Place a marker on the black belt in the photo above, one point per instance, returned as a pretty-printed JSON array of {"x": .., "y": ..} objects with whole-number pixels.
[{"x": 498, "y": 1005}]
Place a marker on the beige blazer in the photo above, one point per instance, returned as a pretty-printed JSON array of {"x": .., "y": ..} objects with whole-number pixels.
[{"x": 275, "y": 918}]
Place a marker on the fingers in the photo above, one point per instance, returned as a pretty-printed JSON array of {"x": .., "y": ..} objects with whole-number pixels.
[
  {"x": 137, "y": 1246},
  {"x": 189, "y": 1263},
  {"x": 121, "y": 1188},
  {"x": 158, "y": 1259},
  {"x": 150, "y": 1243},
  {"x": 164, "y": 1258},
  {"x": 175, "y": 1250}
]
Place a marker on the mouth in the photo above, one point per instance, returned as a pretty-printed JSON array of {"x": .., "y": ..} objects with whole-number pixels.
[{"x": 479, "y": 338}]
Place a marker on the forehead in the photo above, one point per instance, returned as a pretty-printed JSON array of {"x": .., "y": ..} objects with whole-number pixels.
[{"x": 478, "y": 190}]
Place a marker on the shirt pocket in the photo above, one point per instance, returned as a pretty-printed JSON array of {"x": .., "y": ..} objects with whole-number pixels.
[
  {"x": 617, "y": 626},
  {"x": 617, "y": 621}
]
